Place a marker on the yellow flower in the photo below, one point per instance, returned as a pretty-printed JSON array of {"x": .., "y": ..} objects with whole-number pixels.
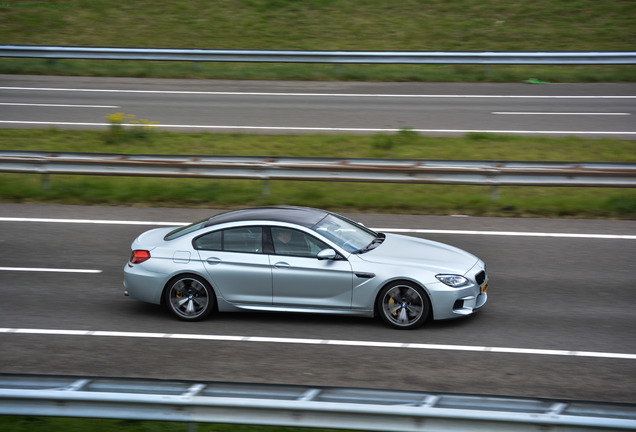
[{"x": 117, "y": 118}]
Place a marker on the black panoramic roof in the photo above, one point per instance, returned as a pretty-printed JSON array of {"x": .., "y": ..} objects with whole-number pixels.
[{"x": 304, "y": 216}]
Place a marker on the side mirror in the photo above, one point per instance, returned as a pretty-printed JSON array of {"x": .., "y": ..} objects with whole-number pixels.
[{"x": 326, "y": 254}]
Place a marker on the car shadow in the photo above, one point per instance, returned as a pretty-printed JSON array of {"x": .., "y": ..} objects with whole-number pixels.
[
  {"x": 291, "y": 318},
  {"x": 255, "y": 319}
]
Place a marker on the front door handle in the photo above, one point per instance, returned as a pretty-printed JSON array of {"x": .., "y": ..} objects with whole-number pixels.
[{"x": 282, "y": 264}]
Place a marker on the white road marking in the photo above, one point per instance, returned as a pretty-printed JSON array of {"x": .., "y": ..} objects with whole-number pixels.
[
  {"x": 57, "y": 105},
  {"x": 394, "y": 230},
  {"x": 562, "y": 113},
  {"x": 509, "y": 233},
  {"x": 51, "y": 270},
  {"x": 328, "y": 129},
  {"x": 332, "y": 342},
  {"x": 380, "y": 95},
  {"x": 91, "y": 221}
]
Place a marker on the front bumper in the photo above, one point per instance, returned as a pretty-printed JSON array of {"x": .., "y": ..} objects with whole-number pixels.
[{"x": 449, "y": 303}]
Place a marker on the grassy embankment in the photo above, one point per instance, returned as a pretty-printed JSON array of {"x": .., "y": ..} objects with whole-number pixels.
[
  {"x": 404, "y": 198},
  {"x": 407, "y": 25}
]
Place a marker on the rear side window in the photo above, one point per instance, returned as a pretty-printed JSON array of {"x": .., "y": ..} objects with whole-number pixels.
[
  {"x": 211, "y": 241},
  {"x": 243, "y": 239}
]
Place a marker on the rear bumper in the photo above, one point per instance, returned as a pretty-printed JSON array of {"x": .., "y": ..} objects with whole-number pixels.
[{"x": 142, "y": 285}]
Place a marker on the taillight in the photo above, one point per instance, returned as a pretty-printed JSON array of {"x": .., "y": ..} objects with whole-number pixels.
[{"x": 139, "y": 256}]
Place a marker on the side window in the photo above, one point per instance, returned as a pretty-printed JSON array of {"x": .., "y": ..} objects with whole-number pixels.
[
  {"x": 247, "y": 239},
  {"x": 244, "y": 239},
  {"x": 211, "y": 241},
  {"x": 295, "y": 243}
]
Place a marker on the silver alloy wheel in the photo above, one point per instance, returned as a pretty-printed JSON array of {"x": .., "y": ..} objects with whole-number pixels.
[
  {"x": 403, "y": 305},
  {"x": 189, "y": 298}
]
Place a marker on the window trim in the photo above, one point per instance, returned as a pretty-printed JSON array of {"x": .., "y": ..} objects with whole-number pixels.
[
  {"x": 223, "y": 230},
  {"x": 309, "y": 234},
  {"x": 267, "y": 246}
]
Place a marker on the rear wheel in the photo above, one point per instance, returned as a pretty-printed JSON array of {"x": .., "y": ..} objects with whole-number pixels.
[
  {"x": 403, "y": 305},
  {"x": 189, "y": 297}
]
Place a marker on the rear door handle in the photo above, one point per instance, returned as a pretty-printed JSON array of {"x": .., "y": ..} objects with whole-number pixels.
[{"x": 213, "y": 260}]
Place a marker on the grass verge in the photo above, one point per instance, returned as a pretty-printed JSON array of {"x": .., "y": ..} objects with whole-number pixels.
[
  {"x": 338, "y": 196},
  {"x": 321, "y": 72},
  {"x": 48, "y": 424},
  {"x": 338, "y": 25}
]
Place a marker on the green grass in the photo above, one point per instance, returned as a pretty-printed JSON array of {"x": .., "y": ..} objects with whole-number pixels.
[
  {"x": 47, "y": 424},
  {"x": 408, "y": 25},
  {"x": 390, "y": 198},
  {"x": 321, "y": 72},
  {"x": 405, "y": 144},
  {"x": 430, "y": 25}
]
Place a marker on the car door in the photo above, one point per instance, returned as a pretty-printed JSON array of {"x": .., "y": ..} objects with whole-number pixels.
[
  {"x": 236, "y": 264},
  {"x": 300, "y": 279}
]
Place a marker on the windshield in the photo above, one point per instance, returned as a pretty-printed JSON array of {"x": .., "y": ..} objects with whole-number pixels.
[{"x": 346, "y": 234}]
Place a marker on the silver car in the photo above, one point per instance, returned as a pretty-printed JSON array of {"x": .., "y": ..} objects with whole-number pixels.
[{"x": 297, "y": 259}]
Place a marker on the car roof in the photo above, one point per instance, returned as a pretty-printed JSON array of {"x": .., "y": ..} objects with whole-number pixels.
[{"x": 304, "y": 216}]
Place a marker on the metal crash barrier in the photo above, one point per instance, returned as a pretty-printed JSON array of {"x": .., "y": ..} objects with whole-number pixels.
[
  {"x": 296, "y": 56},
  {"x": 299, "y": 406},
  {"x": 489, "y": 173}
]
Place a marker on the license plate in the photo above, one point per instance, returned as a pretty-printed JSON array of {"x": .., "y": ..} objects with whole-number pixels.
[{"x": 484, "y": 288}]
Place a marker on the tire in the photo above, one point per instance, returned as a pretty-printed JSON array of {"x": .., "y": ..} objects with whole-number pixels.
[
  {"x": 189, "y": 297},
  {"x": 403, "y": 305}
]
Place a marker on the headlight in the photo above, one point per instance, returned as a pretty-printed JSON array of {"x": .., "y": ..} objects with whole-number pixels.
[{"x": 454, "y": 281}]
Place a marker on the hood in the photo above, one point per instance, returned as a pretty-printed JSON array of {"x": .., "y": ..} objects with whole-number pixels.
[
  {"x": 151, "y": 239},
  {"x": 411, "y": 251}
]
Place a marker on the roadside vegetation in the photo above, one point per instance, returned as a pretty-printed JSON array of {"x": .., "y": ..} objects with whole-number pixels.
[
  {"x": 407, "y": 25},
  {"x": 46, "y": 424},
  {"x": 338, "y": 196}
]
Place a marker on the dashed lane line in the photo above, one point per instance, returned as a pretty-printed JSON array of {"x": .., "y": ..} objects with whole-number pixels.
[
  {"x": 48, "y": 270},
  {"x": 45, "y": 105}
]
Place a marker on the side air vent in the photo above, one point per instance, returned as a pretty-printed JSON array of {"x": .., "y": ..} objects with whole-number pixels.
[{"x": 480, "y": 278}]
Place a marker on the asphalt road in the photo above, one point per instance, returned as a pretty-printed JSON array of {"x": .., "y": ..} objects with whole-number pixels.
[
  {"x": 589, "y": 110},
  {"x": 566, "y": 302}
]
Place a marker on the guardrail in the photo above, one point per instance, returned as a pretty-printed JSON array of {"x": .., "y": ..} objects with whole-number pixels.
[
  {"x": 506, "y": 173},
  {"x": 300, "y": 406},
  {"x": 294, "y": 56}
]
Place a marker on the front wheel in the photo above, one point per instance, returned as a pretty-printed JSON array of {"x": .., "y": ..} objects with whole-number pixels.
[
  {"x": 403, "y": 305},
  {"x": 189, "y": 297}
]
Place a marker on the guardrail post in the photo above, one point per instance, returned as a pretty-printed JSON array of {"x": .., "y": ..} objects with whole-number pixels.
[
  {"x": 46, "y": 182},
  {"x": 494, "y": 193}
]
